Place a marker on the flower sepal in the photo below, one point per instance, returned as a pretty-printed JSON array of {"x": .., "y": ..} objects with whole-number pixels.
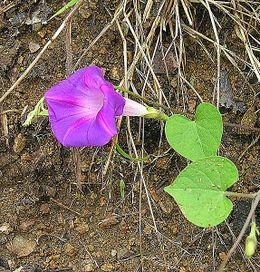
[{"x": 155, "y": 114}]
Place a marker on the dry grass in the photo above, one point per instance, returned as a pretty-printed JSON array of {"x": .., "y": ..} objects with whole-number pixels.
[
  {"x": 181, "y": 20},
  {"x": 142, "y": 26}
]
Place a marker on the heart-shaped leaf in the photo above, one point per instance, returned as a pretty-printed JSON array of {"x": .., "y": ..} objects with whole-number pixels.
[
  {"x": 197, "y": 139},
  {"x": 200, "y": 188}
]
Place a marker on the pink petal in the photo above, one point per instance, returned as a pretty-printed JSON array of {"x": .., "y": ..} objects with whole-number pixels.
[
  {"x": 133, "y": 108},
  {"x": 82, "y": 109}
]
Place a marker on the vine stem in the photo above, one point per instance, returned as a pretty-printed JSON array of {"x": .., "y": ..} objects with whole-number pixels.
[
  {"x": 245, "y": 195},
  {"x": 242, "y": 232},
  {"x": 148, "y": 101},
  {"x": 179, "y": 111}
]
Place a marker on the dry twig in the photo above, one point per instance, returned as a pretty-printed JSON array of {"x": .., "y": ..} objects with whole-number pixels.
[{"x": 242, "y": 232}]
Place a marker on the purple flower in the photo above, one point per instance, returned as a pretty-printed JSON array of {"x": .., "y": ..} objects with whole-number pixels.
[{"x": 83, "y": 109}]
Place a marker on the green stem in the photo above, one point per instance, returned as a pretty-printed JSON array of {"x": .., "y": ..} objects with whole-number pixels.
[
  {"x": 245, "y": 195},
  {"x": 148, "y": 101},
  {"x": 180, "y": 111}
]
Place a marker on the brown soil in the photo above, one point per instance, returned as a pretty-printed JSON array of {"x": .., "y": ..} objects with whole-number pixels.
[{"x": 47, "y": 224}]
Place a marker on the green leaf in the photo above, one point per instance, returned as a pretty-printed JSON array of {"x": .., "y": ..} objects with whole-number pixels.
[
  {"x": 36, "y": 112},
  {"x": 200, "y": 188},
  {"x": 197, "y": 139},
  {"x": 68, "y": 5},
  {"x": 127, "y": 156}
]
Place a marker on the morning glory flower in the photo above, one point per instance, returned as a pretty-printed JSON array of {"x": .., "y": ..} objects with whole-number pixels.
[{"x": 83, "y": 109}]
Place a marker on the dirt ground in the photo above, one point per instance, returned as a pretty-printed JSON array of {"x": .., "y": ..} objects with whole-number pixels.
[{"x": 46, "y": 223}]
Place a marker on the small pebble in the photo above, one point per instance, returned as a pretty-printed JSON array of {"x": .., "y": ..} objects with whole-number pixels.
[
  {"x": 26, "y": 157},
  {"x": 70, "y": 250},
  {"x": 129, "y": 57},
  {"x": 113, "y": 252},
  {"x": 115, "y": 73},
  {"x": 123, "y": 227},
  {"x": 107, "y": 267},
  {"x": 174, "y": 82},
  {"x": 50, "y": 191},
  {"x": 81, "y": 228},
  {"x": 34, "y": 47},
  {"x": 162, "y": 163},
  {"x": 3, "y": 240},
  {"x": 53, "y": 261},
  {"x": 21, "y": 246},
  {"x": 89, "y": 267},
  {"x": 166, "y": 205},
  {"x": 147, "y": 230},
  {"x": 85, "y": 12},
  {"x": 42, "y": 33},
  {"x": 122, "y": 253},
  {"x": 6, "y": 228},
  {"x": 109, "y": 221},
  {"x": 26, "y": 225},
  {"x": 45, "y": 208},
  {"x": 103, "y": 201},
  {"x": 222, "y": 256},
  {"x": 91, "y": 248},
  {"x": 19, "y": 143}
]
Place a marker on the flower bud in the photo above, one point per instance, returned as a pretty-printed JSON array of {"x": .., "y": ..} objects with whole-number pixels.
[
  {"x": 250, "y": 247},
  {"x": 251, "y": 241}
]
